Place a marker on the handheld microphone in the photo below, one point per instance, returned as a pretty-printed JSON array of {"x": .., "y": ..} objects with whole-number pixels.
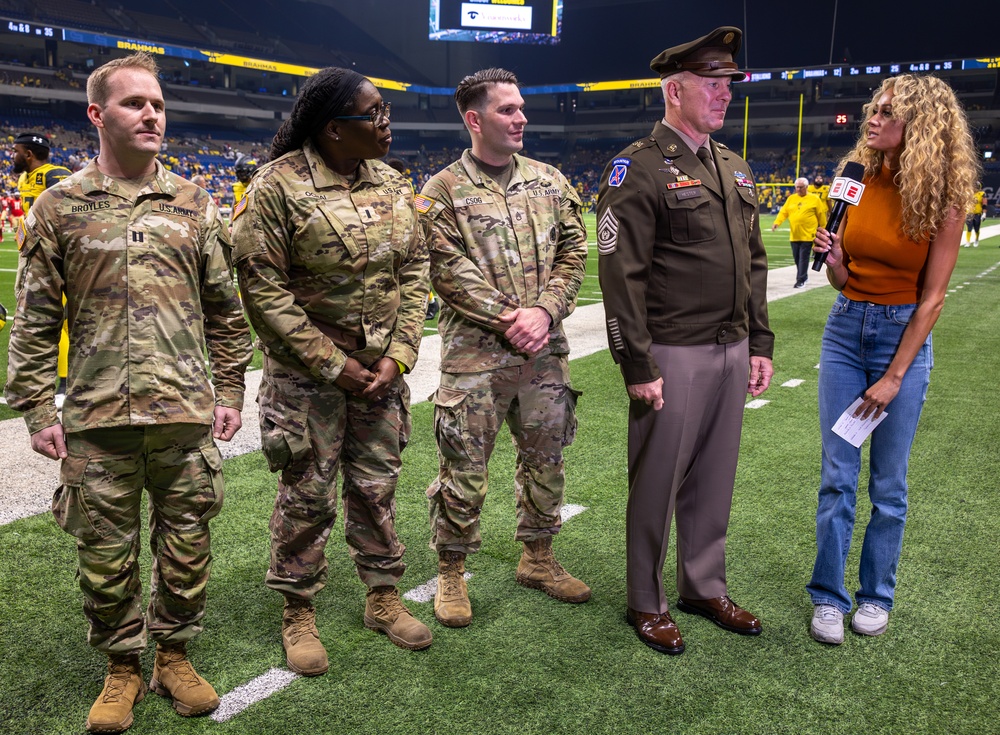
[{"x": 845, "y": 191}]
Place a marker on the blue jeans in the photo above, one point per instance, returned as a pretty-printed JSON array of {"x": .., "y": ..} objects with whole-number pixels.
[{"x": 859, "y": 342}]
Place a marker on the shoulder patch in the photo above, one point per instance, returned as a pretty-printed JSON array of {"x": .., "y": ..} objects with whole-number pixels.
[
  {"x": 619, "y": 168},
  {"x": 22, "y": 234},
  {"x": 422, "y": 203},
  {"x": 607, "y": 233},
  {"x": 240, "y": 208}
]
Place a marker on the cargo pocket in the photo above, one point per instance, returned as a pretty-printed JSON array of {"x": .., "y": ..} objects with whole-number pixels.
[
  {"x": 569, "y": 433},
  {"x": 451, "y": 423},
  {"x": 284, "y": 437},
  {"x": 213, "y": 485},
  {"x": 69, "y": 503}
]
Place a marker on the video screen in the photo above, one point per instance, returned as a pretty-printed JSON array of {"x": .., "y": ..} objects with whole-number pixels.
[{"x": 496, "y": 21}]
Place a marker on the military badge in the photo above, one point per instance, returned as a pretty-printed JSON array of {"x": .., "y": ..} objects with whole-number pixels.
[
  {"x": 619, "y": 168},
  {"x": 607, "y": 233},
  {"x": 742, "y": 180},
  {"x": 422, "y": 203},
  {"x": 682, "y": 184},
  {"x": 240, "y": 208},
  {"x": 22, "y": 234}
]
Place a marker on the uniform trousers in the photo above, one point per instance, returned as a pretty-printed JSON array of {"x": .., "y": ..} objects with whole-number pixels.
[
  {"x": 682, "y": 462},
  {"x": 309, "y": 431},
  {"x": 99, "y": 502},
  {"x": 539, "y": 406}
]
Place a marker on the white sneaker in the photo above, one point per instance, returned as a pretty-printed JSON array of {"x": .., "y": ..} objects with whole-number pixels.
[
  {"x": 827, "y": 625},
  {"x": 975, "y": 244},
  {"x": 870, "y": 619}
]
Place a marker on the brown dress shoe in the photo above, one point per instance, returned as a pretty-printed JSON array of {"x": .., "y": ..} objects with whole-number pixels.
[
  {"x": 656, "y": 630},
  {"x": 723, "y": 612}
]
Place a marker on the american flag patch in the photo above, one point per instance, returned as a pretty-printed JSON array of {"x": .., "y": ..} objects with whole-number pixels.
[
  {"x": 22, "y": 234},
  {"x": 240, "y": 207},
  {"x": 422, "y": 203}
]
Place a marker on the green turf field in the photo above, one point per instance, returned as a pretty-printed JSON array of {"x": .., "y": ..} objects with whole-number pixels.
[{"x": 529, "y": 664}]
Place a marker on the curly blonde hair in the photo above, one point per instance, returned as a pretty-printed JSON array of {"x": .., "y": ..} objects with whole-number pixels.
[{"x": 938, "y": 167}]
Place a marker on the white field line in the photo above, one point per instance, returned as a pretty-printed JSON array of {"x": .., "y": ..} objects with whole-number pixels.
[
  {"x": 793, "y": 383},
  {"x": 757, "y": 403},
  {"x": 253, "y": 691},
  {"x": 426, "y": 591}
]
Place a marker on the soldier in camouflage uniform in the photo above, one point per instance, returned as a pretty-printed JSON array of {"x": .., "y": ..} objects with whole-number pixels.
[
  {"x": 142, "y": 258},
  {"x": 333, "y": 270},
  {"x": 508, "y": 251}
]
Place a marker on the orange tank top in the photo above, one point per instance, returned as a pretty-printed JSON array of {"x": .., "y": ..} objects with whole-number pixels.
[{"x": 884, "y": 266}]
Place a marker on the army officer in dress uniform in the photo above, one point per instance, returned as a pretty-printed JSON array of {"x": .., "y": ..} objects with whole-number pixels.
[{"x": 684, "y": 275}]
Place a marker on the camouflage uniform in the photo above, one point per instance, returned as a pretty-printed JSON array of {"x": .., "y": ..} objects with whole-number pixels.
[
  {"x": 331, "y": 269},
  {"x": 148, "y": 284},
  {"x": 493, "y": 251}
]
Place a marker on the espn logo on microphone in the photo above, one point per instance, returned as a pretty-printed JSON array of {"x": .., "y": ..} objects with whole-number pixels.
[{"x": 846, "y": 189}]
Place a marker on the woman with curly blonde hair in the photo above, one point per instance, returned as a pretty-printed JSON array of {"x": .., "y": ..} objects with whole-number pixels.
[{"x": 891, "y": 260}]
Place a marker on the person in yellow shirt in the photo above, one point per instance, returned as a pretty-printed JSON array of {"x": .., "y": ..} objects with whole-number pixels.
[
  {"x": 244, "y": 169},
  {"x": 31, "y": 161},
  {"x": 821, "y": 189},
  {"x": 975, "y": 218},
  {"x": 805, "y": 213}
]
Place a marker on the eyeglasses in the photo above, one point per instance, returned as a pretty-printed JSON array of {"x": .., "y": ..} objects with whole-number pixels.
[{"x": 377, "y": 116}]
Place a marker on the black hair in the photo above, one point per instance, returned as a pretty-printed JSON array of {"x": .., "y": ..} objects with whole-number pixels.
[{"x": 327, "y": 94}]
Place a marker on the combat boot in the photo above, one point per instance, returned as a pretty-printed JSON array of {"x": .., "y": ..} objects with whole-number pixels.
[
  {"x": 175, "y": 677},
  {"x": 123, "y": 689},
  {"x": 451, "y": 601},
  {"x": 303, "y": 650},
  {"x": 539, "y": 570},
  {"x": 384, "y": 611}
]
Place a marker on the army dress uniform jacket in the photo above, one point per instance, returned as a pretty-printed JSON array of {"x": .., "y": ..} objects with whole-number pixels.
[
  {"x": 493, "y": 251},
  {"x": 682, "y": 261},
  {"x": 148, "y": 284},
  {"x": 331, "y": 269}
]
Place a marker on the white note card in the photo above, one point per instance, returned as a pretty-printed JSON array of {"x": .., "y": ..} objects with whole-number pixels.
[{"x": 856, "y": 430}]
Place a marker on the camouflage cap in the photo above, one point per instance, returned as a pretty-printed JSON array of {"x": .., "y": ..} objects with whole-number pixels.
[{"x": 708, "y": 56}]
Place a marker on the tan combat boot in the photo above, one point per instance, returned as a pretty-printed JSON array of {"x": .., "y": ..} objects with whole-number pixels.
[
  {"x": 539, "y": 570},
  {"x": 175, "y": 677},
  {"x": 451, "y": 601},
  {"x": 123, "y": 689},
  {"x": 303, "y": 650},
  {"x": 384, "y": 611}
]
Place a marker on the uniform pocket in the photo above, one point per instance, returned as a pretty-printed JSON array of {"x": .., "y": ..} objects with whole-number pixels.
[
  {"x": 451, "y": 423},
  {"x": 213, "y": 485},
  {"x": 284, "y": 437},
  {"x": 70, "y": 508},
  {"x": 690, "y": 220},
  {"x": 569, "y": 432}
]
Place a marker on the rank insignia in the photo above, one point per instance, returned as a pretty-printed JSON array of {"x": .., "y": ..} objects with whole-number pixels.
[
  {"x": 672, "y": 148},
  {"x": 607, "y": 233},
  {"x": 619, "y": 170}
]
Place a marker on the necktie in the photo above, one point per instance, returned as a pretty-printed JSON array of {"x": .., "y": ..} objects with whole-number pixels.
[{"x": 705, "y": 156}]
